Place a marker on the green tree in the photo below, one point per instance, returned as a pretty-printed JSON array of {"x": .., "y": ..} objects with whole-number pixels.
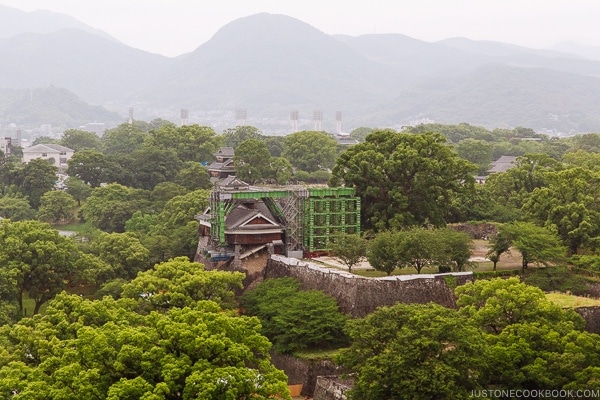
[
  {"x": 542, "y": 356},
  {"x": 280, "y": 170},
  {"x": 252, "y": 161},
  {"x": 514, "y": 186},
  {"x": 164, "y": 244},
  {"x": 456, "y": 247},
  {"x": 15, "y": 207},
  {"x": 193, "y": 176},
  {"x": 309, "y": 150},
  {"x": 149, "y": 166},
  {"x": 589, "y": 142},
  {"x": 536, "y": 244},
  {"x": 349, "y": 249},
  {"x": 44, "y": 140},
  {"x": 123, "y": 252},
  {"x": 478, "y": 152},
  {"x": 37, "y": 177},
  {"x": 456, "y": 133},
  {"x": 35, "y": 261},
  {"x": 295, "y": 319},
  {"x": 403, "y": 179},
  {"x": 165, "y": 191},
  {"x": 124, "y": 139},
  {"x": 234, "y": 136},
  {"x": 57, "y": 207},
  {"x": 414, "y": 351},
  {"x": 583, "y": 159},
  {"x": 190, "y": 142},
  {"x": 494, "y": 304},
  {"x": 533, "y": 343},
  {"x": 274, "y": 144},
  {"x": 420, "y": 247},
  {"x": 499, "y": 244},
  {"x": 383, "y": 252},
  {"x": 182, "y": 283},
  {"x": 82, "y": 349},
  {"x": 80, "y": 140},
  {"x": 91, "y": 166},
  {"x": 361, "y": 133},
  {"x": 109, "y": 207},
  {"x": 181, "y": 209},
  {"x": 78, "y": 189},
  {"x": 568, "y": 204}
]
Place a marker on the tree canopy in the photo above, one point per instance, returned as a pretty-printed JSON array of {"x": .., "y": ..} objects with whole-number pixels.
[
  {"x": 295, "y": 319},
  {"x": 252, "y": 161},
  {"x": 309, "y": 150},
  {"x": 414, "y": 351},
  {"x": 180, "y": 282},
  {"x": 403, "y": 179},
  {"x": 82, "y": 349},
  {"x": 36, "y": 261}
]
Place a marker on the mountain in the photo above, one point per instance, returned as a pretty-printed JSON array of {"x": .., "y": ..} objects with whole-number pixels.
[
  {"x": 271, "y": 64},
  {"x": 500, "y": 96},
  {"x": 592, "y": 52},
  {"x": 99, "y": 70},
  {"x": 14, "y": 22},
  {"x": 413, "y": 57},
  {"x": 56, "y": 106}
]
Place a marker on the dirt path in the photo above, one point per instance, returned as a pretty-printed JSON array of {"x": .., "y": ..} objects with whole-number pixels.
[{"x": 509, "y": 260}]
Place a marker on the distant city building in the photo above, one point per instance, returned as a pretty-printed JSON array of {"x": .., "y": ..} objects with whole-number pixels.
[
  {"x": 57, "y": 154},
  {"x": 5, "y": 145},
  {"x": 344, "y": 138}
]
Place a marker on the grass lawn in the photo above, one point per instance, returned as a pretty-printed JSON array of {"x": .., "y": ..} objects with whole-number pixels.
[
  {"x": 316, "y": 354},
  {"x": 78, "y": 227},
  {"x": 569, "y": 301},
  {"x": 29, "y": 306}
]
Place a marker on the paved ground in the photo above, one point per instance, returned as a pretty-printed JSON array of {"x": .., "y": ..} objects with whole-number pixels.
[{"x": 481, "y": 247}]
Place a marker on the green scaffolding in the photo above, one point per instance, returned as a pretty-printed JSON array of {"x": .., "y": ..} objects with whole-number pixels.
[
  {"x": 311, "y": 216},
  {"x": 329, "y": 212}
]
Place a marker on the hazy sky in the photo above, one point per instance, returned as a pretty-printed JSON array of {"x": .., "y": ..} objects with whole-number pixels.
[{"x": 174, "y": 27}]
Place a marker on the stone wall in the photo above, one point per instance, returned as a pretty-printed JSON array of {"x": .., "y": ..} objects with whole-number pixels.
[
  {"x": 304, "y": 372},
  {"x": 331, "y": 388},
  {"x": 477, "y": 231},
  {"x": 358, "y": 296},
  {"x": 591, "y": 315}
]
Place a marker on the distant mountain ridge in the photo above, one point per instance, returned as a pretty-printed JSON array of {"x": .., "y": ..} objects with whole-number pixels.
[
  {"x": 14, "y": 22},
  {"x": 271, "y": 64}
]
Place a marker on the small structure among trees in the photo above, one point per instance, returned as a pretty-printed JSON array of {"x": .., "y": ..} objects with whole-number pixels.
[{"x": 223, "y": 165}]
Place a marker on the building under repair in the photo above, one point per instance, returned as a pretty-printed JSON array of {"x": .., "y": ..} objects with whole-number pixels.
[{"x": 295, "y": 221}]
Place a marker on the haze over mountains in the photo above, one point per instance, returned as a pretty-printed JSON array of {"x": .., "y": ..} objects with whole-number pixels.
[{"x": 271, "y": 64}]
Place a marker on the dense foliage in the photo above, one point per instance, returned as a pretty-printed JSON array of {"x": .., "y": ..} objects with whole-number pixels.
[
  {"x": 104, "y": 349},
  {"x": 505, "y": 334},
  {"x": 404, "y": 179},
  {"x": 295, "y": 319}
]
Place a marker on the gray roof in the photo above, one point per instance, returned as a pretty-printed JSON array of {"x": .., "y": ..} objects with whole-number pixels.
[
  {"x": 242, "y": 214},
  {"x": 225, "y": 152},
  {"x": 218, "y": 166},
  {"x": 46, "y": 148},
  {"x": 231, "y": 182},
  {"x": 503, "y": 164}
]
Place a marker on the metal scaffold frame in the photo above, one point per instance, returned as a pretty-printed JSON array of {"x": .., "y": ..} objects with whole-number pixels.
[
  {"x": 310, "y": 216},
  {"x": 329, "y": 213}
]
